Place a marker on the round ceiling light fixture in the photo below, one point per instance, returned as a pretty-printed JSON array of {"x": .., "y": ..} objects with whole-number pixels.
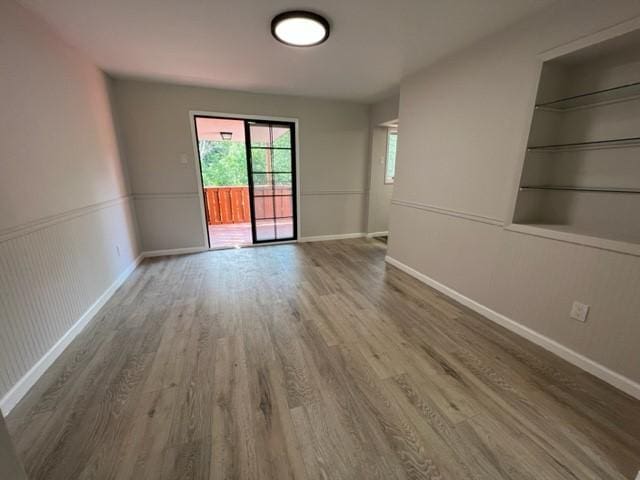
[{"x": 300, "y": 28}]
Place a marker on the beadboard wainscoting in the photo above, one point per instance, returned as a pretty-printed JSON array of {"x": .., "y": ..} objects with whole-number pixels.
[
  {"x": 505, "y": 276},
  {"x": 55, "y": 274}
]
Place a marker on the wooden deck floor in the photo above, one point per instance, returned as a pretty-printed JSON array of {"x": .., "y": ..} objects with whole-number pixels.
[
  {"x": 230, "y": 235},
  {"x": 312, "y": 361},
  {"x": 234, "y": 234}
]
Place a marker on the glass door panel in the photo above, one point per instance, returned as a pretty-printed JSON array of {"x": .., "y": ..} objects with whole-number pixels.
[
  {"x": 272, "y": 179},
  {"x": 284, "y": 227},
  {"x": 265, "y": 230}
]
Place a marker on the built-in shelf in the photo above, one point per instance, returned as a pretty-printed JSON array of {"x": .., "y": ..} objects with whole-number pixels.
[
  {"x": 580, "y": 180},
  {"x": 579, "y": 235},
  {"x": 609, "y": 95},
  {"x": 610, "y": 143},
  {"x": 580, "y": 189}
]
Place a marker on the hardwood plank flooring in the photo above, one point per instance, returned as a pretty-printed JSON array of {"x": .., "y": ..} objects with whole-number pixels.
[{"x": 312, "y": 361}]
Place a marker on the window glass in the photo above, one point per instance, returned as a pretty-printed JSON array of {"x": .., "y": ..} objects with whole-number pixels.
[{"x": 392, "y": 143}]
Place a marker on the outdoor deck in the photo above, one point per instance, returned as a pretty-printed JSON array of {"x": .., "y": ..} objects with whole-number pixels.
[
  {"x": 230, "y": 235},
  {"x": 233, "y": 234},
  {"x": 229, "y": 214}
]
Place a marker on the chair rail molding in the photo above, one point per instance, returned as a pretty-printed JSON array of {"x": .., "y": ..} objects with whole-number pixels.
[
  {"x": 50, "y": 220},
  {"x": 312, "y": 192},
  {"x": 447, "y": 211}
]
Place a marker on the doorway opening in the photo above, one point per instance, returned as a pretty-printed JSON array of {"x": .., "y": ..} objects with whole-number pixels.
[{"x": 248, "y": 177}]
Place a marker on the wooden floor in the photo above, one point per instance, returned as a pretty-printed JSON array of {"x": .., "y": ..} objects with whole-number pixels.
[{"x": 312, "y": 361}]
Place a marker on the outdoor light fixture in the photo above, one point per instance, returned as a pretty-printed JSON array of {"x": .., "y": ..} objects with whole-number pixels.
[
  {"x": 299, "y": 28},
  {"x": 226, "y": 135}
]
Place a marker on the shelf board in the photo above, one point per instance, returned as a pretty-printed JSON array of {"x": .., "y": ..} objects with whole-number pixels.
[
  {"x": 610, "y": 143},
  {"x": 620, "y": 93},
  {"x": 579, "y": 235},
  {"x": 580, "y": 189}
]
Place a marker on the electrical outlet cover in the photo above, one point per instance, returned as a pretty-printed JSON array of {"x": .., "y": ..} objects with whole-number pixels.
[{"x": 579, "y": 311}]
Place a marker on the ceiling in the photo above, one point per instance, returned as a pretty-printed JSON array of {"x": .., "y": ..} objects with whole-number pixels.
[{"x": 228, "y": 44}]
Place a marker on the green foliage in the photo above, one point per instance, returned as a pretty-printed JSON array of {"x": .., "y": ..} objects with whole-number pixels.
[
  {"x": 392, "y": 145},
  {"x": 280, "y": 160},
  {"x": 283, "y": 141},
  {"x": 224, "y": 163}
]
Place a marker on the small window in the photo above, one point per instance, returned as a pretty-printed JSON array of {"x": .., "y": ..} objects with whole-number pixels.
[{"x": 390, "y": 169}]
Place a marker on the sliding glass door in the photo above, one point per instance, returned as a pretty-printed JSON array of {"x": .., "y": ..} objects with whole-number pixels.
[{"x": 272, "y": 180}]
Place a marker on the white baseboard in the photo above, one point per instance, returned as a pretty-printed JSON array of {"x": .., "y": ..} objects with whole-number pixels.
[
  {"x": 321, "y": 238},
  {"x": 603, "y": 373},
  {"x": 173, "y": 251},
  {"x": 378, "y": 234},
  {"x": 23, "y": 385}
]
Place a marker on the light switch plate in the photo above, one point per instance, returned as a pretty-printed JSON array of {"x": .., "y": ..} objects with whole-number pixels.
[{"x": 579, "y": 311}]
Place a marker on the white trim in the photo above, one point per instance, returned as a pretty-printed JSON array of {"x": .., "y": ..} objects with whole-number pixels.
[
  {"x": 22, "y": 386},
  {"x": 196, "y": 158},
  {"x": 592, "y": 39},
  {"x": 334, "y": 192},
  {"x": 242, "y": 116},
  {"x": 447, "y": 211},
  {"x": 150, "y": 196},
  {"x": 378, "y": 234},
  {"x": 322, "y": 238},
  {"x": 603, "y": 373},
  {"x": 173, "y": 251}
]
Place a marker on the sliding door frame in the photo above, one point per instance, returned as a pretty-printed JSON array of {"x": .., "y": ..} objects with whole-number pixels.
[
  {"x": 295, "y": 161},
  {"x": 252, "y": 194}
]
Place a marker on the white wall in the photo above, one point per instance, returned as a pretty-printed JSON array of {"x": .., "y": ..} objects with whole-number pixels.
[
  {"x": 464, "y": 127},
  {"x": 154, "y": 119},
  {"x": 64, "y": 205},
  {"x": 385, "y": 110},
  {"x": 380, "y": 193}
]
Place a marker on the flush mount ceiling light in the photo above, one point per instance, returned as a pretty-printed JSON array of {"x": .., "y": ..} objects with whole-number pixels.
[
  {"x": 300, "y": 28},
  {"x": 226, "y": 135}
]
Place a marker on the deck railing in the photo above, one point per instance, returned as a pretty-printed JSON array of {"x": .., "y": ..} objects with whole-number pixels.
[{"x": 231, "y": 204}]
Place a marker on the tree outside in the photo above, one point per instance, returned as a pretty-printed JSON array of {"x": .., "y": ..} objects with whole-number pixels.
[{"x": 224, "y": 162}]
